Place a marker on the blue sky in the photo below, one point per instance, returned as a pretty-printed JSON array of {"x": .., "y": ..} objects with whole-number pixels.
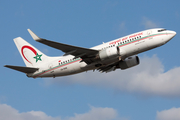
[{"x": 149, "y": 91}]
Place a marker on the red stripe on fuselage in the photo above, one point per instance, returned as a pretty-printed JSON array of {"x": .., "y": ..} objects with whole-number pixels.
[{"x": 55, "y": 68}]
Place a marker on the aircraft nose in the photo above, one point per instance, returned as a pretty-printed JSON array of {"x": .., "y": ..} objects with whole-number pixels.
[
  {"x": 170, "y": 35},
  {"x": 173, "y": 33}
]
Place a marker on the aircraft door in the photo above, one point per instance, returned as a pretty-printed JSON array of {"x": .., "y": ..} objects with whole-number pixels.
[
  {"x": 149, "y": 35},
  {"x": 50, "y": 65},
  {"x": 149, "y": 32},
  {"x": 52, "y": 72},
  {"x": 149, "y": 40}
]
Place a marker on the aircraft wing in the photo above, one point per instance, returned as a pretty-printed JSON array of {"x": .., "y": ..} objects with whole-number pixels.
[
  {"x": 108, "y": 68},
  {"x": 85, "y": 53}
]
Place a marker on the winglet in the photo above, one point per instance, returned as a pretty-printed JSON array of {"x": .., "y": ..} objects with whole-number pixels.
[{"x": 33, "y": 35}]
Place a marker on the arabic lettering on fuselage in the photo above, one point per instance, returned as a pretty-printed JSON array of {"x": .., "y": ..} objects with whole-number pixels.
[{"x": 125, "y": 38}]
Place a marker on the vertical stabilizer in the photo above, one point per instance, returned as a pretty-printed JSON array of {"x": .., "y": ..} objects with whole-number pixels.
[{"x": 32, "y": 57}]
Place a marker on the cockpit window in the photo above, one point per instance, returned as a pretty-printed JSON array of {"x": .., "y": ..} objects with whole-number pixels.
[{"x": 161, "y": 30}]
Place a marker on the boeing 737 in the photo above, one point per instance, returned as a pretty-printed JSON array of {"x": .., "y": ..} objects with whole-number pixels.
[{"x": 120, "y": 53}]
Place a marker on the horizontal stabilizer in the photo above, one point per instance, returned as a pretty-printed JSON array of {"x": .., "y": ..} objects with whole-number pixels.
[{"x": 22, "y": 69}]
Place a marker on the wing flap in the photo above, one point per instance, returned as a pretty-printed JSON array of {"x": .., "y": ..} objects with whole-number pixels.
[
  {"x": 22, "y": 69},
  {"x": 108, "y": 68}
]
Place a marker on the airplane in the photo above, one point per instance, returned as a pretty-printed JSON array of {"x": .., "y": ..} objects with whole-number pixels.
[{"x": 120, "y": 53}]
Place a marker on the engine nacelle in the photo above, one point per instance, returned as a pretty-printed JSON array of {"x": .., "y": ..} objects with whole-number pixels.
[
  {"x": 128, "y": 62},
  {"x": 109, "y": 52}
]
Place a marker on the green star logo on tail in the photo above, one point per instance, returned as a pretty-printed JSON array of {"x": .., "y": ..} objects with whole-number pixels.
[{"x": 37, "y": 57}]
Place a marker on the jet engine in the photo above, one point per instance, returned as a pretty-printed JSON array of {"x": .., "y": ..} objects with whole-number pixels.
[
  {"x": 110, "y": 52},
  {"x": 128, "y": 62}
]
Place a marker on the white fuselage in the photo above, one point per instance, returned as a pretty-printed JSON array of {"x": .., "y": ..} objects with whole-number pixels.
[{"x": 129, "y": 45}]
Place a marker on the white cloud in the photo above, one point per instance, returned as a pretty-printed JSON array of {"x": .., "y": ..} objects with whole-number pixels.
[
  {"x": 9, "y": 113},
  {"x": 147, "y": 79},
  {"x": 96, "y": 113},
  {"x": 147, "y": 23},
  {"x": 171, "y": 114}
]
